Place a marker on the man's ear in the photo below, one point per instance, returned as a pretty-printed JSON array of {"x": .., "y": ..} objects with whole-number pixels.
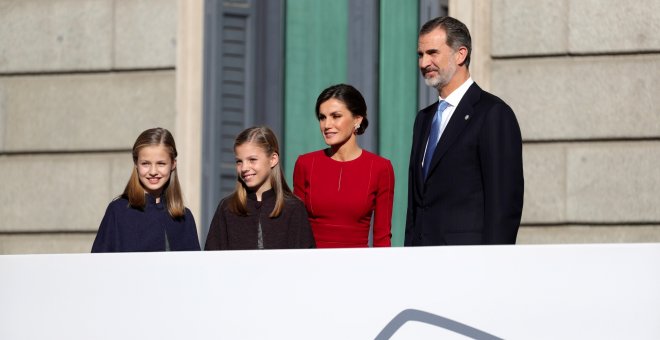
[{"x": 461, "y": 55}]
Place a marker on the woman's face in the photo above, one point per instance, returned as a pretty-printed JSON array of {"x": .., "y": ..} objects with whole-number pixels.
[
  {"x": 154, "y": 166},
  {"x": 253, "y": 166},
  {"x": 337, "y": 123}
]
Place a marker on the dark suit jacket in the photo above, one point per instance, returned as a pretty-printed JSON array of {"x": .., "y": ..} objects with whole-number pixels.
[{"x": 474, "y": 190}]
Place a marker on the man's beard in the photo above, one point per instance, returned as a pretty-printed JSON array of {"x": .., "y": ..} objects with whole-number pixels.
[
  {"x": 435, "y": 82},
  {"x": 442, "y": 78}
]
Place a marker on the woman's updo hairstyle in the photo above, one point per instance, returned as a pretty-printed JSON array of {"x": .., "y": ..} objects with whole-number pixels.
[{"x": 351, "y": 97}]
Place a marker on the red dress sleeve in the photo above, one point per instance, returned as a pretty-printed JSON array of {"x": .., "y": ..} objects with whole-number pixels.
[{"x": 383, "y": 210}]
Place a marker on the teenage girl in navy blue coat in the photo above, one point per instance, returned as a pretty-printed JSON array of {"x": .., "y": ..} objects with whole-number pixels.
[{"x": 149, "y": 215}]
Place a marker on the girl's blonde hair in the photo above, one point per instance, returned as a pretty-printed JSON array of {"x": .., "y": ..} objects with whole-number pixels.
[
  {"x": 265, "y": 139},
  {"x": 134, "y": 191}
]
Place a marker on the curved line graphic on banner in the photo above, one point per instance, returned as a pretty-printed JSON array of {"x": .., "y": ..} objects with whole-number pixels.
[{"x": 432, "y": 319}]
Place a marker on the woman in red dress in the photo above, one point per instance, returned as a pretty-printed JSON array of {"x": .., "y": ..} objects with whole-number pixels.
[{"x": 343, "y": 185}]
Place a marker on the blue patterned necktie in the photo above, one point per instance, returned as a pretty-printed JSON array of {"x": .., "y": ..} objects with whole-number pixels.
[{"x": 433, "y": 137}]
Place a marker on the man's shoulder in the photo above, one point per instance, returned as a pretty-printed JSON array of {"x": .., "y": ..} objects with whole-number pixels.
[
  {"x": 491, "y": 98},
  {"x": 483, "y": 97}
]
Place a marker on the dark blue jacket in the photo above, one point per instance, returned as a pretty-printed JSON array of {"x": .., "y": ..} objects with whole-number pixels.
[
  {"x": 473, "y": 193},
  {"x": 126, "y": 229}
]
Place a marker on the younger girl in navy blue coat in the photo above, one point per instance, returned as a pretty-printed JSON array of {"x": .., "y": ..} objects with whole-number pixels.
[
  {"x": 149, "y": 215},
  {"x": 262, "y": 213}
]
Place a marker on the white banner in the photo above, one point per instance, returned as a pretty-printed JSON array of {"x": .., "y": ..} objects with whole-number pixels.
[{"x": 510, "y": 292}]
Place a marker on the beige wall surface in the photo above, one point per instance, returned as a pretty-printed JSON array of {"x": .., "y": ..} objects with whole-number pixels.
[
  {"x": 591, "y": 97},
  {"x": 74, "y": 35},
  {"x": 59, "y": 192},
  {"x": 545, "y": 27},
  {"x": 46, "y": 243},
  {"x": 592, "y": 182},
  {"x": 79, "y": 80},
  {"x": 58, "y": 35},
  {"x": 588, "y": 234},
  {"x": 90, "y": 112},
  {"x": 189, "y": 89}
]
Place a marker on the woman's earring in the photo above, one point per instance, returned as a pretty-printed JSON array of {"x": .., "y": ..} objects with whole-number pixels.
[{"x": 357, "y": 126}]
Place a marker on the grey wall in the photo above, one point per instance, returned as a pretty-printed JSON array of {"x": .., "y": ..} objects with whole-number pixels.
[
  {"x": 582, "y": 77},
  {"x": 79, "y": 80}
]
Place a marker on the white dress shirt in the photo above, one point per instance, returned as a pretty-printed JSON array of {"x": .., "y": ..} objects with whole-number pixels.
[{"x": 452, "y": 99}]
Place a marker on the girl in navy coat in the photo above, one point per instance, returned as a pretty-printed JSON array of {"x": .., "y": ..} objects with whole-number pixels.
[{"x": 149, "y": 215}]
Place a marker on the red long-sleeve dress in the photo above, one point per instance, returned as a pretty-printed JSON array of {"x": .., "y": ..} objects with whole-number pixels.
[{"x": 340, "y": 198}]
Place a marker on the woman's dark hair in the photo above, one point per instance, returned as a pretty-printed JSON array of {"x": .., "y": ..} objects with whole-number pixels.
[{"x": 351, "y": 97}]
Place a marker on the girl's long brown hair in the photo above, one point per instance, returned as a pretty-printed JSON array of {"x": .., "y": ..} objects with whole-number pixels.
[
  {"x": 134, "y": 191},
  {"x": 265, "y": 139}
]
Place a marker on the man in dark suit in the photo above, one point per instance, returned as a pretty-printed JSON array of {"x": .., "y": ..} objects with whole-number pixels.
[{"x": 466, "y": 179}]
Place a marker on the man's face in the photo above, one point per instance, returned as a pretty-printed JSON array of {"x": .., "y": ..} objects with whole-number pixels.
[{"x": 437, "y": 61}]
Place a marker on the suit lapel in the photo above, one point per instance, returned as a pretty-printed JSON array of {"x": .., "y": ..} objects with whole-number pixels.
[{"x": 456, "y": 124}]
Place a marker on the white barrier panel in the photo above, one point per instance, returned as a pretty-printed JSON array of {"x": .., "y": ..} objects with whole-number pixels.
[{"x": 512, "y": 292}]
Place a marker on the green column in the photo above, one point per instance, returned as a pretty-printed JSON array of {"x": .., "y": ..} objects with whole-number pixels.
[
  {"x": 398, "y": 97},
  {"x": 315, "y": 58}
]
